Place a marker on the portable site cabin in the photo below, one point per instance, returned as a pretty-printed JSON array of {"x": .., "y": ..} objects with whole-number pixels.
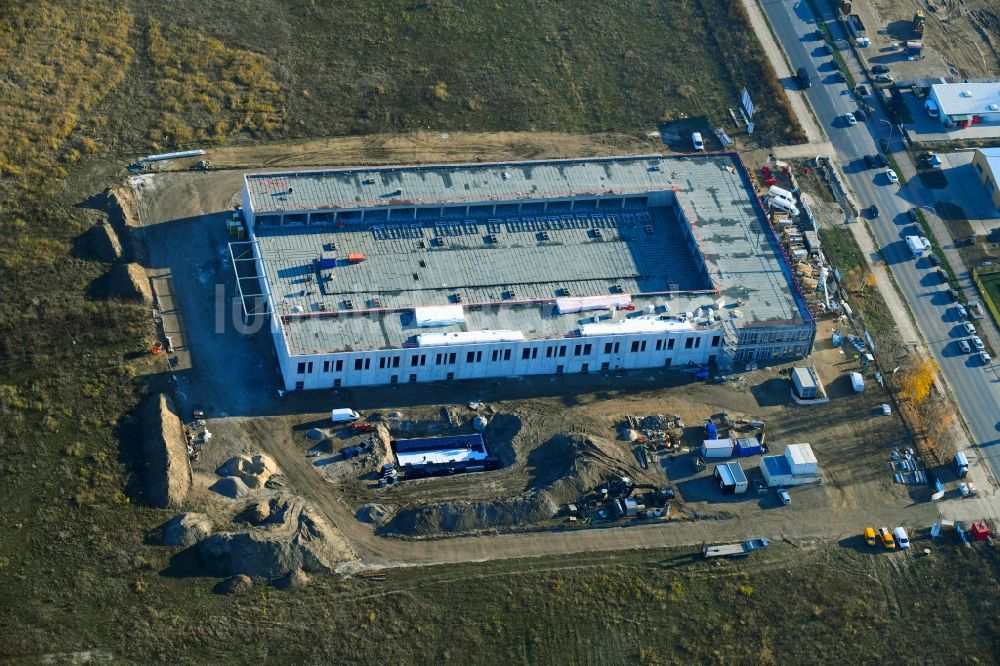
[
  {"x": 748, "y": 446},
  {"x": 804, "y": 382},
  {"x": 796, "y": 467},
  {"x": 961, "y": 464},
  {"x": 731, "y": 478},
  {"x": 717, "y": 448}
]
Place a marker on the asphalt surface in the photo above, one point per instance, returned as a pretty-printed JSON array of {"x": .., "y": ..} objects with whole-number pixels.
[{"x": 973, "y": 384}]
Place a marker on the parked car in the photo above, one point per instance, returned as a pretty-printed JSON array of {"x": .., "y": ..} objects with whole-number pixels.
[
  {"x": 891, "y": 175},
  {"x": 961, "y": 311},
  {"x": 886, "y": 536},
  {"x": 953, "y": 295},
  {"x": 912, "y": 214},
  {"x": 802, "y": 76},
  {"x": 861, "y": 90},
  {"x": 880, "y": 69},
  {"x": 697, "y": 141},
  {"x": 985, "y": 358},
  {"x": 873, "y": 211},
  {"x": 977, "y": 342},
  {"x": 860, "y": 114},
  {"x": 964, "y": 346},
  {"x": 901, "y": 538},
  {"x": 941, "y": 276},
  {"x": 870, "y": 536},
  {"x": 850, "y": 119},
  {"x": 880, "y": 160},
  {"x": 969, "y": 328},
  {"x": 760, "y": 486},
  {"x": 933, "y": 258},
  {"x": 785, "y": 498},
  {"x": 883, "y": 79},
  {"x": 870, "y": 161}
]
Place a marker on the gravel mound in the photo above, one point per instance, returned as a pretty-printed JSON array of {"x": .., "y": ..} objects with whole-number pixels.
[
  {"x": 186, "y": 529},
  {"x": 231, "y": 487},
  {"x": 168, "y": 469},
  {"x": 293, "y": 537},
  {"x": 374, "y": 514}
]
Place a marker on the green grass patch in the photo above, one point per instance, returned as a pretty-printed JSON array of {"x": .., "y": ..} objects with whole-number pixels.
[
  {"x": 866, "y": 300},
  {"x": 988, "y": 283}
]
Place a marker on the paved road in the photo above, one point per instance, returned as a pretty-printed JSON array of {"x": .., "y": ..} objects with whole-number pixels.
[{"x": 976, "y": 389}]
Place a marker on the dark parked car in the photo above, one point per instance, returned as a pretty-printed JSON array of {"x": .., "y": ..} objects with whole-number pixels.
[
  {"x": 802, "y": 76},
  {"x": 880, "y": 69},
  {"x": 860, "y": 114},
  {"x": 953, "y": 295},
  {"x": 933, "y": 258},
  {"x": 870, "y": 161},
  {"x": 873, "y": 211},
  {"x": 912, "y": 214},
  {"x": 941, "y": 276},
  {"x": 880, "y": 160}
]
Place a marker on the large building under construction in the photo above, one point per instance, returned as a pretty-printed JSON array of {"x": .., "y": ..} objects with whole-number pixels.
[{"x": 425, "y": 273}]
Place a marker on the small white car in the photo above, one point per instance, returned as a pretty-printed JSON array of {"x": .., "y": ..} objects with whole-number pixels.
[
  {"x": 960, "y": 309},
  {"x": 697, "y": 141},
  {"x": 977, "y": 343},
  {"x": 785, "y": 498},
  {"x": 985, "y": 358},
  {"x": 851, "y": 120},
  {"x": 891, "y": 175},
  {"x": 901, "y": 538},
  {"x": 969, "y": 328}
]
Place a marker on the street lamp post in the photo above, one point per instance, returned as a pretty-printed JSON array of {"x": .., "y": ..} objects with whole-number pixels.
[{"x": 888, "y": 143}]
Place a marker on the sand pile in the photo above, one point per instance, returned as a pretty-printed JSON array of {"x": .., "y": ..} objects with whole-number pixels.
[
  {"x": 186, "y": 529},
  {"x": 294, "y": 536},
  {"x": 231, "y": 487},
  {"x": 253, "y": 471},
  {"x": 234, "y": 585},
  {"x": 168, "y": 470},
  {"x": 129, "y": 281}
]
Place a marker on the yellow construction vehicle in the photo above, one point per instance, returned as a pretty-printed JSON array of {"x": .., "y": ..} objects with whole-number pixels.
[{"x": 918, "y": 24}]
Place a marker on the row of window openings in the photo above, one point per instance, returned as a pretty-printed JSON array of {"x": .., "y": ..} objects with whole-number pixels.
[
  {"x": 450, "y": 358},
  {"x": 585, "y": 368}
]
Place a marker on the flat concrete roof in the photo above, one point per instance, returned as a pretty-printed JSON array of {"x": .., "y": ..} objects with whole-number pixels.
[
  {"x": 374, "y": 187},
  {"x": 512, "y": 282}
]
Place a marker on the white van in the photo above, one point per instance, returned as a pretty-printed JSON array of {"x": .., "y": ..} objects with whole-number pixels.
[
  {"x": 697, "y": 141},
  {"x": 932, "y": 108},
  {"x": 901, "y": 538},
  {"x": 344, "y": 415}
]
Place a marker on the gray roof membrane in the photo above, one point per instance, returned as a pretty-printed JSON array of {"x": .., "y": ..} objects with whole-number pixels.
[{"x": 508, "y": 270}]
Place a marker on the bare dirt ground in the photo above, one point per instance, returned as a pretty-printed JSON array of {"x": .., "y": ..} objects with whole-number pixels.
[
  {"x": 230, "y": 375},
  {"x": 427, "y": 147},
  {"x": 963, "y": 34}
]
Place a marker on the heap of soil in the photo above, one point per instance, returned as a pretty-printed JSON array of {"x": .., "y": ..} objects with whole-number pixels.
[
  {"x": 254, "y": 471},
  {"x": 231, "y": 487},
  {"x": 100, "y": 242},
  {"x": 374, "y": 514},
  {"x": 562, "y": 469},
  {"x": 186, "y": 529},
  {"x": 234, "y": 585},
  {"x": 129, "y": 281},
  {"x": 293, "y": 581},
  {"x": 168, "y": 469},
  {"x": 294, "y": 536}
]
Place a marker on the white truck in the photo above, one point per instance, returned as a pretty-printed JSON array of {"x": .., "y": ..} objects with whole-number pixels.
[{"x": 918, "y": 245}]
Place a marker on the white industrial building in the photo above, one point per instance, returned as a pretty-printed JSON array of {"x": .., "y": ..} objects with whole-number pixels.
[
  {"x": 967, "y": 104},
  {"x": 798, "y": 466},
  {"x": 424, "y": 273}
]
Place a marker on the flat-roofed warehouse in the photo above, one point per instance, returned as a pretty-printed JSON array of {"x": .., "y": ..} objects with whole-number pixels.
[{"x": 424, "y": 273}]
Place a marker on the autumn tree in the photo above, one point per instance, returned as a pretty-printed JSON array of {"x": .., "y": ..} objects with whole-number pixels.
[{"x": 917, "y": 380}]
